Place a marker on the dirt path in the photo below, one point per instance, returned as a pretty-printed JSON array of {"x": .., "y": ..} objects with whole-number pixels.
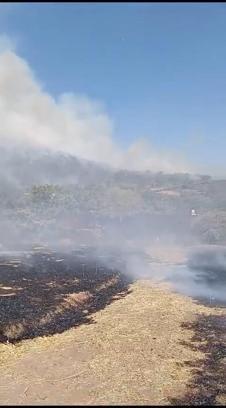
[{"x": 137, "y": 351}]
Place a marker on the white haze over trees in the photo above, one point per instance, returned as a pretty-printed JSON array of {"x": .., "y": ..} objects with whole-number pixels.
[
  {"x": 71, "y": 123},
  {"x": 32, "y": 120}
]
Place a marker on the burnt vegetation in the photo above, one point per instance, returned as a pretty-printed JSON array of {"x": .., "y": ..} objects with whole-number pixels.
[
  {"x": 207, "y": 386},
  {"x": 46, "y": 294}
]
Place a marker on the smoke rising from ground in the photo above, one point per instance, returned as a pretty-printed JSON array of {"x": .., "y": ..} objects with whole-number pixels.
[{"x": 31, "y": 120}]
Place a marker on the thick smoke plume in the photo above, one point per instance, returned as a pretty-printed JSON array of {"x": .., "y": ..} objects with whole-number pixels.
[{"x": 30, "y": 117}]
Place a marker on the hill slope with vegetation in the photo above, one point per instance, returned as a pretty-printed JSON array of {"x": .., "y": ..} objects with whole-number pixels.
[{"x": 47, "y": 190}]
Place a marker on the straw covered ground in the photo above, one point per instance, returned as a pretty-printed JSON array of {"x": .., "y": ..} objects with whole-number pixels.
[{"x": 109, "y": 342}]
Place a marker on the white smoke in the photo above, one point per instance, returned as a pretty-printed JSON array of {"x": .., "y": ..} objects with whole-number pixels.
[{"x": 73, "y": 124}]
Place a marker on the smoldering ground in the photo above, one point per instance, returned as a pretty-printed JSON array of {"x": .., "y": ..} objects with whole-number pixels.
[
  {"x": 56, "y": 263},
  {"x": 41, "y": 138},
  {"x": 128, "y": 247},
  {"x": 129, "y": 243}
]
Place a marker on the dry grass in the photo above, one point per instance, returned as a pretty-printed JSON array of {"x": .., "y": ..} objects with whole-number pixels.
[{"x": 135, "y": 352}]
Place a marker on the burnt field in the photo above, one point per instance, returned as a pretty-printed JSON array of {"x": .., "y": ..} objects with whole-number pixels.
[
  {"x": 83, "y": 327},
  {"x": 44, "y": 293}
]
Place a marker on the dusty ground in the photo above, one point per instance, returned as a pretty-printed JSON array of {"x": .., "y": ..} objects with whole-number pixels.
[{"x": 148, "y": 347}]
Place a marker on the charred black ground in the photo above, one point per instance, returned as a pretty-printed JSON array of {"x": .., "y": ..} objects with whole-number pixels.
[
  {"x": 46, "y": 293},
  {"x": 43, "y": 292}
]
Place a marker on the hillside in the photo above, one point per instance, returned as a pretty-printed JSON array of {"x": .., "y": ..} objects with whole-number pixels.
[{"x": 58, "y": 193}]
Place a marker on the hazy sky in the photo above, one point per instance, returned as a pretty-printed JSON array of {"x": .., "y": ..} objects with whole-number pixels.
[{"x": 158, "y": 69}]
